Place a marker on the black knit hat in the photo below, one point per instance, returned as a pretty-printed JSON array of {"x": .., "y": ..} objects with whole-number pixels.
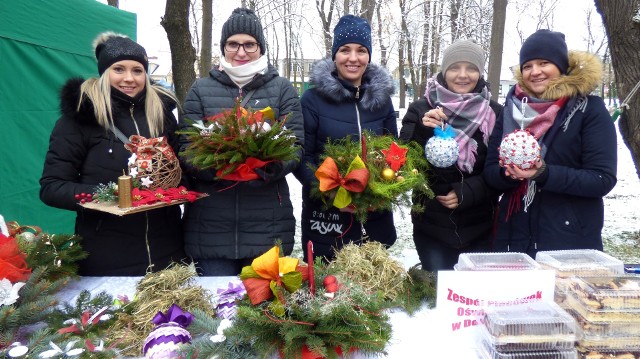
[
  {"x": 351, "y": 30},
  {"x": 111, "y": 48},
  {"x": 547, "y": 45},
  {"x": 243, "y": 21}
]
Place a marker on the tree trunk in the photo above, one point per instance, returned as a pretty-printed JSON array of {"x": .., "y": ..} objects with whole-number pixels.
[
  {"x": 207, "y": 42},
  {"x": 114, "y": 3},
  {"x": 454, "y": 12},
  {"x": 401, "y": 59},
  {"x": 497, "y": 42},
  {"x": 367, "y": 8},
  {"x": 325, "y": 17},
  {"x": 383, "y": 47},
  {"x": 623, "y": 31},
  {"x": 424, "y": 53},
  {"x": 183, "y": 56}
]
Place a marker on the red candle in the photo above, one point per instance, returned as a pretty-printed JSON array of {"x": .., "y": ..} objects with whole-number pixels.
[{"x": 312, "y": 279}]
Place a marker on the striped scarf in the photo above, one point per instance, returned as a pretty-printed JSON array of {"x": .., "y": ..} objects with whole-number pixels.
[{"x": 466, "y": 113}]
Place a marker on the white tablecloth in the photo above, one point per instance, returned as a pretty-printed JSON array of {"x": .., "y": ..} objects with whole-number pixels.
[{"x": 418, "y": 336}]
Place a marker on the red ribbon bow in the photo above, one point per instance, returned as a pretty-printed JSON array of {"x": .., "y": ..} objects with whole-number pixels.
[{"x": 330, "y": 178}]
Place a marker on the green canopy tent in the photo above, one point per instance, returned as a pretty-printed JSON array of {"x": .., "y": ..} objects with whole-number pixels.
[{"x": 42, "y": 44}]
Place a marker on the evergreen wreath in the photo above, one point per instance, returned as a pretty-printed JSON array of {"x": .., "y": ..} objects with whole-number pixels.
[
  {"x": 237, "y": 141},
  {"x": 374, "y": 173}
]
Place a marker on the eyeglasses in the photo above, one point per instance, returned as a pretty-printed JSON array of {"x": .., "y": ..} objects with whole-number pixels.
[{"x": 249, "y": 47}]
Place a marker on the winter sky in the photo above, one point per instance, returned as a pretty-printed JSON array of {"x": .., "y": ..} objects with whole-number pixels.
[{"x": 569, "y": 17}]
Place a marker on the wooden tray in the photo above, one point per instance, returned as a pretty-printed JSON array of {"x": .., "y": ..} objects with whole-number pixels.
[{"x": 112, "y": 207}]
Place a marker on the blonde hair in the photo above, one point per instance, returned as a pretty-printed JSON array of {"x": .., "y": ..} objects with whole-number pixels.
[{"x": 98, "y": 91}]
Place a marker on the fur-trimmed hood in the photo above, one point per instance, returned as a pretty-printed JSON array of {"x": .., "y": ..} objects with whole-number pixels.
[
  {"x": 70, "y": 95},
  {"x": 583, "y": 76},
  {"x": 376, "y": 83}
]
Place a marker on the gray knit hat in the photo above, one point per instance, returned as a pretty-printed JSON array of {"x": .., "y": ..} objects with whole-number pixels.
[
  {"x": 111, "y": 48},
  {"x": 463, "y": 50},
  {"x": 243, "y": 21}
]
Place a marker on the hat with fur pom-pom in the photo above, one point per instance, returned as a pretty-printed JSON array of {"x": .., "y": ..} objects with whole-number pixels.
[{"x": 111, "y": 48}]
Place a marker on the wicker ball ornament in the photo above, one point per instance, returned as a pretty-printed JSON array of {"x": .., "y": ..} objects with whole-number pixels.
[
  {"x": 519, "y": 148},
  {"x": 154, "y": 158}
]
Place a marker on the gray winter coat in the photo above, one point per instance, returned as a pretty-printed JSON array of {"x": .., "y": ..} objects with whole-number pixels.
[{"x": 244, "y": 219}]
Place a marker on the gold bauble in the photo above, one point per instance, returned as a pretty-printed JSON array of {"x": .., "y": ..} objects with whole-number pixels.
[{"x": 388, "y": 174}]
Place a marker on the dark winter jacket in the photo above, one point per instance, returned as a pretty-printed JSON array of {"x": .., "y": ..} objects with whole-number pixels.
[
  {"x": 472, "y": 220},
  {"x": 567, "y": 211},
  {"x": 244, "y": 219},
  {"x": 82, "y": 155},
  {"x": 332, "y": 111}
]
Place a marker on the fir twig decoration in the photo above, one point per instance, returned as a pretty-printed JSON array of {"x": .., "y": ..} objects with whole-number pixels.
[
  {"x": 386, "y": 188},
  {"x": 227, "y": 140}
]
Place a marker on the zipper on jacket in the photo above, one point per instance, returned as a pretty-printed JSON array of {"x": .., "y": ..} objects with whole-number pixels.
[
  {"x": 357, "y": 92},
  {"x": 134, "y": 119}
]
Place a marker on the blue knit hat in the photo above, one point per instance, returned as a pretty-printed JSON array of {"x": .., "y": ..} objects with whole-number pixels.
[
  {"x": 351, "y": 30},
  {"x": 547, "y": 45}
]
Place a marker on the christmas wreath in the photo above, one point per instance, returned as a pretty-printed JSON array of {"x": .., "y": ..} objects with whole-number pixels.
[
  {"x": 374, "y": 173},
  {"x": 286, "y": 313},
  {"x": 237, "y": 141},
  {"x": 33, "y": 267}
]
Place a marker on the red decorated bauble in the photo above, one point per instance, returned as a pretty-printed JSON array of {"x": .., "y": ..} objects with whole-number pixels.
[
  {"x": 519, "y": 148},
  {"x": 331, "y": 287}
]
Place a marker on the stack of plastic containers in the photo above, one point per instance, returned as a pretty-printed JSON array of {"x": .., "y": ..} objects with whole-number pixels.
[
  {"x": 495, "y": 262},
  {"x": 578, "y": 262},
  {"x": 536, "y": 330},
  {"x": 607, "y": 309}
]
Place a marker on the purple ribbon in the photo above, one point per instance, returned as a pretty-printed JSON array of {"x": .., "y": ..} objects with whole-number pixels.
[
  {"x": 174, "y": 314},
  {"x": 233, "y": 288}
]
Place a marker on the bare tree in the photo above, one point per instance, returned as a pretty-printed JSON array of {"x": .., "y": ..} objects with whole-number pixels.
[
  {"x": 381, "y": 43},
  {"x": 207, "y": 41},
  {"x": 176, "y": 23},
  {"x": 454, "y": 11},
  {"x": 539, "y": 11},
  {"x": 621, "y": 20},
  {"x": 367, "y": 9},
  {"x": 497, "y": 43},
  {"x": 326, "y": 17}
]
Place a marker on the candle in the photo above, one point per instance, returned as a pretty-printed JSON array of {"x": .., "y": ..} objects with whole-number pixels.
[
  {"x": 124, "y": 191},
  {"x": 312, "y": 279}
]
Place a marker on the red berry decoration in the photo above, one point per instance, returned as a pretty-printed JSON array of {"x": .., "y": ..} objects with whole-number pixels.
[
  {"x": 77, "y": 196},
  {"x": 331, "y": 287},
  {"x": 329, "y": 279}
]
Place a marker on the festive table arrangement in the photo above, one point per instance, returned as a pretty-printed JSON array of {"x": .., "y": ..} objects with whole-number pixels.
[
  {"x": 278, "y": 306},
  {"x": 372, "y": 173},
  {"x": 152, "y": 181},
  {"x": 237, "y": 141}
]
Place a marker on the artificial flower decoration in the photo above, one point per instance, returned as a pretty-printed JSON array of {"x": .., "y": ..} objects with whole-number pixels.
[
  {"x": 395, "y": 156},
  {"x": 87, "y": 319},
  {"x": 56, "y": 351},
  {"x": 355, "y": 180},
  {"x": 13, "y": 265},
  {"x": 146, "y": 181},
  {"x": 9, "y": 291},
  {"x": 268, "y": 274},
  {"x": 220, "y": 337}
]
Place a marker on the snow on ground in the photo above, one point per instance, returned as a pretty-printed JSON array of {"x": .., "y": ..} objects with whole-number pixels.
[{"x": 621, "y": 208}]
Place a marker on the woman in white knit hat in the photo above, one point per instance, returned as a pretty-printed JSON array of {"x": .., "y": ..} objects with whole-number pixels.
[{"x": 459, "y": 218}]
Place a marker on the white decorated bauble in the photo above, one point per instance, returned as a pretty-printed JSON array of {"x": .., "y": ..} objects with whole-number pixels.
[
  {"x": 442, "y": 152},
  {"x": 164, "y": 342},
  {"x": 519, "y": 148}
]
